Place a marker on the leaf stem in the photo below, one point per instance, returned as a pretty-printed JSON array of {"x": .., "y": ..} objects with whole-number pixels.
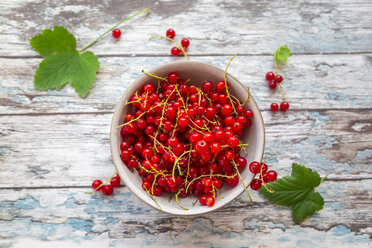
[
  {"x": 324, "y": 178},
  {"x": 100, "y": 37}
]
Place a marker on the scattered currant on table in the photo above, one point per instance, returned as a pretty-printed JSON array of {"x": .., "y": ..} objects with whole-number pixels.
[
  {"x": 63, "y": 63},
  {"x": 280, "y": 55},
  {"x": 183, "y": 139},
  {"x": 179, "y": 48},
  {"x": 107, "y": 188}
]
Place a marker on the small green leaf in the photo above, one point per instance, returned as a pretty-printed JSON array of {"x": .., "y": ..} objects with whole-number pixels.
[
  {"x": 297, "y": 191},
  {"x": 63, "y": 63},
  {"x": 50, "y": 42},
  {"x": 67, "y": 67},
  {"x": 281, "y": 54}
]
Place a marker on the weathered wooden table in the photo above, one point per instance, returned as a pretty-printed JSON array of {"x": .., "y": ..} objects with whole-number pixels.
[{"x": 54, "y": 144}]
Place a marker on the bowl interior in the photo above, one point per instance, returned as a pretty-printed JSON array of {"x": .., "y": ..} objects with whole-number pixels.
[{"x": 197, "y": 72}]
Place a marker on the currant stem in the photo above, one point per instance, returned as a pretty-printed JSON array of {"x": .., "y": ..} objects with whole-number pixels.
[
  {"x": 175, "y": 42},
  {"x": 324, "y": 178},
  {"x": 100, "y": 37},
  {"x": 102, "y": 184},
  {"x": 241, "y": 179},
  {"x": 227, "y": 88},
  {"x": 282, "y": 91},
  {"x": 155, "y": 76}
]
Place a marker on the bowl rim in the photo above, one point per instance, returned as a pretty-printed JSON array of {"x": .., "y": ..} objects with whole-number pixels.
[{"x": 121, "y": 104}]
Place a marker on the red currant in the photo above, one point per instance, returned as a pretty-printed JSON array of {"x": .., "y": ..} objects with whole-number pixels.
[
  {"x": 210, "y": 201},
  {"x": 116, "y": 33},
  {"x": 170, "y": 33},
  {"x": 270, "y": 76},
  {"x": 96, "y": 185},
  {"x": 254, "y": 167},
  {"x": 107, "y": 189},
  {"x": 274, "y": 107},
  {"x": 278, "y": 79},
  {"x": 284, "y": 106},
  {"x": 256, "y": 184},
  {"x": 272, "y": 85},
  {"x": 115, "y": 181},
  {"x": 271, "y": 176},
  {"x": 175, "y": 51},
  {"x": 185, "y": 43}
]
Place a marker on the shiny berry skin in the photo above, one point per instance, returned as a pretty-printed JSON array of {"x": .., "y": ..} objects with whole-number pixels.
[
  {"x": 210, "y": 201},
  {"x": 226, "y": 110},
  {"x": 220, "y": 86},
  {"x": 233, "y": 141},
  {"x": 272, "y": 85},
  {"x": 229, "y": 155},
  {"x": 210, "y": 113},
  {"x": 274, "y": 107},
  {"x": 203, "y": 200},
  {"x": 278, "y": 79},
  {"x": 263, "y": 168},
  {"x": 116, "y": 33},
  {"x": 183, "y": 122},
  {"x": 270, "y": 76},
  {"x": 215, "y": 148},
  {"x": 185, "y": 43},
  {"x": 171, "y": 182},
  {"x": 162, "y": 181},
  {"x": 146, "y": 185},
  {"x": 254, "y": 167},
  {"x": 115, "y": 181},
  {"x": 170, "y": 33},
  {"x": 107, "y": 189},
  {"x": 207, "y": 86},
  {"x": 173, "y": 77},
  {"x": 232, "y": 182},
  {"x": 240, "y": 162},
  {"x": 217, "y": 183},
  {"x": 96, "y": 185},
  {"x": 248, "y": 113},
  {"x": 201, "y": 147},
  {"x": 156, "y": 191},
  {"x": 271, "y": 176},
  {"x": 206, "y": 182},
  {"x": 175, "y": 51},
  {"x": 284, "y": 106},
  {"x": 256, "y": 184}
]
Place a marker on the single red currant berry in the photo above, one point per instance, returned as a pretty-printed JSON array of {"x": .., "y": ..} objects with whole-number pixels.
[
  {"x": 207, "y": 86},
  {"x": 284, "y": 106},
  {"x": 207, "y": 182},
  {"x": 156, "y": 191},
  {"x": 272, "y": 85},
  {"x": 232, "y": 181},
  {"x": 271, "y": 176},
  {"x": 226, "y": 110},
  {"x": 215, "y": 148},
  {"x": 185, "y": 43},
  {"x": 146, "y": 185},
  {"x": 115, "y": 181},
  {"x": 229, "y": 155},
  {"x": 96, "y": 185},
  {"x": 107, "y": 189},
  {"x": 175, "y": 51},
  {"x": 240, "y": 162},
  {"x": 201, "y": 147},
  {"x": 274, "y": 107},
  {"x": 170, "y": 33},
  {"x": 254, "y": 167},
  {"x": 270, "y": 76},
  {"x": 203, "y": 200},
  {"x": 183, "y": 122},
  {"x": 256, "y": 184},
  {"x": 233, "y": 141},
  {"x": 173, "y": 78},
  {"x": 220, "y": 86},
  {"x": 210, "y": 113},
  {"x": 248, "y": 113},
  {"x": 278, "y": 79},
  {"x": 217, "y": 183},
  {"x": 210, "y": 201},
  {"x": 162, "y": 181},
  {"x": 116, "y": 33}
]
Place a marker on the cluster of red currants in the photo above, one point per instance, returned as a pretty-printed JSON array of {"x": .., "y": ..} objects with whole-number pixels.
[
  {"x": 107, "y": 189},
  {"x": 175, "y": 51},
  {"x": 183, "y": 139},
  {"x": 264, "y": 177},
  {"x": 273, "y": 81}
]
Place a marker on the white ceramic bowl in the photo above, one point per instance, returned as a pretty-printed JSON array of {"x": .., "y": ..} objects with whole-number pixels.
[{"x": 197, "y": 72}]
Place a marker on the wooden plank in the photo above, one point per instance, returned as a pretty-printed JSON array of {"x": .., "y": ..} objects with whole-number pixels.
[
  {"x": 248, "y": 27},
  {"x": 310, "y": 82},
  {"x": 73, "y": 217},
  {"x": 73, "y": 150}
]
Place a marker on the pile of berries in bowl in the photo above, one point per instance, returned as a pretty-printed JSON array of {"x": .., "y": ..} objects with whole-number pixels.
[{"x": 182, "y": 137}]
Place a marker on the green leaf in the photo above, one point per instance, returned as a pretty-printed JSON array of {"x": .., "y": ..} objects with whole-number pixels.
[
  {"x": 297, "y": 191},
  {"x": 281, "y": 54},
  {"x": 67, "y": 67},
  {"x": 50, "y": 42},
  {"x": 63, "y": 63}
]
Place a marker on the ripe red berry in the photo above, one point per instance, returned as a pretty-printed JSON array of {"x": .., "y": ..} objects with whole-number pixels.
[
  {"x": 233, "y": 181},
  {"x": 220, "y": 86},
  {"x": 115, "y": 181},
  {"x": 284, "y": 106},
  {"x": 271, "y": 176},
  {"x": 210, "y": 201},
  {"x": 254, "y": 167},
  {"x": 270, "y": 76},
  {"x": 170, "y": 33},
  {"x": 185, "y": 43},
  {"x": 207, "y": 86},
  {"x": 175, "y": 51},
  {"x": 274, "y": 107},
  {"x": 272, "y": 85},
  {"x": 203, "y": 200},
  {"x": 256, "y": 184},
  {"x": 278, "y": 79},
  {"x": 116, "y": 33},
  {"x": 215, "y": 148},
  {"x": 96, "y": 185},
  {"x": 226, "y": 110},
  {"x": 201, "y": 147},
  {"x": 107, "y": 189},
  {"x": 173, "y": 77},
  {"x": 233, "y": 141}
]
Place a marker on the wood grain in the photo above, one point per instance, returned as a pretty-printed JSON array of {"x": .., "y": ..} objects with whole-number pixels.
[
  {"x": 310, "y": 82},
  {"x": 71, "y": 150},
  {"x": 214, "y": 27}
]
